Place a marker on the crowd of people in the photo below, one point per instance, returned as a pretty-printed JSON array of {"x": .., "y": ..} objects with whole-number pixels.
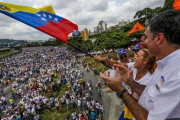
[{"x": 35, "y": 68}]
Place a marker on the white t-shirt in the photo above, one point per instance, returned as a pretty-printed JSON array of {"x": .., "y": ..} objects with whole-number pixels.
[
  {"x": 97, "y": 105},
  {"x": 73, "y": 115},
  {"x": 88, "y": 104},
  {"x": 90, "y": 89},
  {"x": 67, "y": 101},
  {"x": 143, "y": 81},
  {"x": 93, "y": 103},
  {"x": 79, "y": 103}
]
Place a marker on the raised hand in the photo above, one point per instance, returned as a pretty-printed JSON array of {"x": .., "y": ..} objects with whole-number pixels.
[
  {"x": 114, "y": 83},
  {"x": 98, "y": 58},
  {"x": 125, "y": 73}
]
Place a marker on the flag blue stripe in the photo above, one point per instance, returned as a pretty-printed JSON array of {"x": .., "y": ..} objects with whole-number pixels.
[{"x": 33, "y": 19}]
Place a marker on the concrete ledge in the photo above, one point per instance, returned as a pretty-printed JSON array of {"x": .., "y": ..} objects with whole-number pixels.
[{"x": 112, "y": 105}]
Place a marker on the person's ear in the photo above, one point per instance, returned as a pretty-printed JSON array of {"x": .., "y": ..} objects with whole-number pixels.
[
  {"x": 160, "y": 38},
  {"x": 145, "y": 61}
]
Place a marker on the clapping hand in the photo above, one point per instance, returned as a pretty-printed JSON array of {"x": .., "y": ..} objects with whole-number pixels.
[
  {"x": 114, "y": 83},
  {"x": 125, "y": 73}
]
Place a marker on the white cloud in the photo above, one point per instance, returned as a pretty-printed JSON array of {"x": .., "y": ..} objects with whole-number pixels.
[{"x": 85, "y": 13}]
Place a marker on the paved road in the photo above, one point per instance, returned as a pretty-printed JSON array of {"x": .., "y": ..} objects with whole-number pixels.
[
  {"x": 94, "y": 78},
  {"x": 7, "y": 91}
]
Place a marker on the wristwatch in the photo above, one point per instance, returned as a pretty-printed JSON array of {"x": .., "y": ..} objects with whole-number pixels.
[{"x": 120, "y": 94}]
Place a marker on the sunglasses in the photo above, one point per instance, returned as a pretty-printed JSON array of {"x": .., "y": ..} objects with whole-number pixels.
[{"x": 125, "y": 56}]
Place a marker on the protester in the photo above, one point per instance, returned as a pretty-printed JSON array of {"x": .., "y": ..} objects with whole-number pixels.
[
  {"x": 142, "y": 38},
  {"x": 136, "y": 49}
]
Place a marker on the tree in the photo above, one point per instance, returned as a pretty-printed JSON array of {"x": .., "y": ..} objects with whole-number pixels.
[
  {"x": 168, "y": 4},
  {"x": 147, "y": 13}
]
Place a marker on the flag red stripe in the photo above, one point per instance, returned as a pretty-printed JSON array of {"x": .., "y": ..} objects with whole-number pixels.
[{"x": 59, "y": 30}]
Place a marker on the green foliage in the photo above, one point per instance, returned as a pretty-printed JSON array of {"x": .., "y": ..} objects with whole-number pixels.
[
  {"x": 57, "y": 115},
  {"x": 54, "y": 114},
  {"x": 7, "y": 53},
  {"x": 17, "y": 48},
  {"x": 148, "y": 13},
  {"x": 52, "y": 43},
  {"x": 168, "y": 4},
  {"x": 46, "y": 43},
  {"x": 32, "y": 44},
  {"x": 105, "y": 40},
  {"x": 48, "y": 95}
]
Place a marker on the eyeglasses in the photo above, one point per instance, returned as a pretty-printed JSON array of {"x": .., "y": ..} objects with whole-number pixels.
[{"x": 125, "y": 56}]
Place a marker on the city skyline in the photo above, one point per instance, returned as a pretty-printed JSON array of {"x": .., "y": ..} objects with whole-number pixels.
[{"x": 86, "y": 14}]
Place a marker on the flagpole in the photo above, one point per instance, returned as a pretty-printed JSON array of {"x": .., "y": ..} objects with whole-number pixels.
[{"x": 88, "y": 54}]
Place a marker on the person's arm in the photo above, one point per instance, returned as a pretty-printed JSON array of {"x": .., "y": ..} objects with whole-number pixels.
[
  {"x": 136, "y": 87},
  {"x": 128, "y": 79},
  {"x": 112, "y": 62},
  {"x": 137, "y": 111},
  {"x": 116, "y": 85},
  {"x": 107, "y": 61}
]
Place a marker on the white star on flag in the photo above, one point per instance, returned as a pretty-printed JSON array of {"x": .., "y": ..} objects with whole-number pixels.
[
  {"x": 55, "y": 19},
  {"x": 43, "y": 19},
  {"x": 38, "y": 15},
  {"x": 44, "y": 14},
  {"x": 50, "y": 16}
]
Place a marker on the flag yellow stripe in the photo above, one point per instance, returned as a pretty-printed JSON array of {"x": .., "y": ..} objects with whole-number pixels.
[
  {"x": 16, "y": 8},
  {"x": 48, "y": 9}
]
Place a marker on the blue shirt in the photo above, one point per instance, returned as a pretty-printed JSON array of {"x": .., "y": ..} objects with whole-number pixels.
[
  {"x": 17, "y": 118},
  {"x": 93, "y": 115}
]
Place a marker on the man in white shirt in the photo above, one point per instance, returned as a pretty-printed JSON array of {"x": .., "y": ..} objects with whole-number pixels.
[
  {"x": 59, "y": 83},
  {"x": 52, "y": 101},
  {"x": 79, "y": 105},
  {"x": 90, "y": 90},
  {"x": 97, "y": 107},
  {"x": 160, "y": 99},
  {"x": 67, "y": 103},
  {"x": 73, "y": 115},
  {"x": 92, "y": 102}
]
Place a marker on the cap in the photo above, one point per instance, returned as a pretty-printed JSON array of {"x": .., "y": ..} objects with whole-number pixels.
[
  {"x": 121, "y": 51},
  {"x": 137, "y": 47}
]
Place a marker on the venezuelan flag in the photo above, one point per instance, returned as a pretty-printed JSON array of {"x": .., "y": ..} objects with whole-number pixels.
[
  {"x": 126, "y": 114},
  {"x": 32, "y": 87},
  {"x": 43, "y": 19}
]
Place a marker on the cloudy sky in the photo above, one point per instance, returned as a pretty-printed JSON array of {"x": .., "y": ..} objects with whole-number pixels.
[{"x": 84, "y": 13}]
